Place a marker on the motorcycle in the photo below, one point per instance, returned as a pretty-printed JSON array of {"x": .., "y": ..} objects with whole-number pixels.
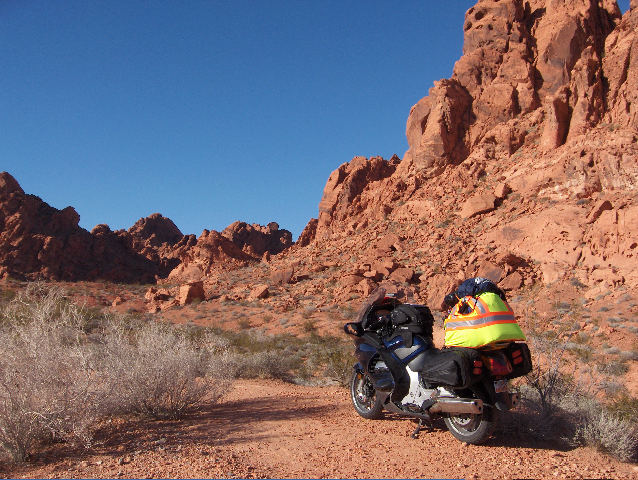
[{"x": 398, "y": 369}]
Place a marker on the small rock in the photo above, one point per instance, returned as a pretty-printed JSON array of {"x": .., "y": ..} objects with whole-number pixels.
[
  {"x": 598, "y": 209},
  {"x": 260, "y": 291},
  {"x": 478, "y": 204},
  {"x": 502, "y": 190}
]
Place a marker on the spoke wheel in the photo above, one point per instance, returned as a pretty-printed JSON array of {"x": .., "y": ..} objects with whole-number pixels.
[{"x": 365, "y": 400}]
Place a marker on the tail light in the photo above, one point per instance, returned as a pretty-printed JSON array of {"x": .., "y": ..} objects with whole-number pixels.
[
  {"x": 498, "y": 364},
  {"x": 517, "y": 357},
  {"x": 478, "y": 367}
]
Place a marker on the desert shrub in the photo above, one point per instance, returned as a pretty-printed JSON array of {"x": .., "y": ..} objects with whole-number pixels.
[
  {"x": 47, "y": 389},
  {"x": 609, "y": 433},
  {"x": 563, "y": 406},
  {"x": 338, "y": 363},
  {"x": 625, "y": 406},
  {"x": 264, "y": 364},
  {"x": 160, "y": 370},
  {"x": 63, "y": 367},
  {"x": 546, "y": 378},
  {"x": 309, "y": 326}
]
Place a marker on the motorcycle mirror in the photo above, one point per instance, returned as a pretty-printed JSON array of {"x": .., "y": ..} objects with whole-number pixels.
[{"x": 353, "y": 329}]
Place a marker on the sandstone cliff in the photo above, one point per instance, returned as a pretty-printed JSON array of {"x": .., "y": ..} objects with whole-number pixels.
[{"x": 522, "y": 166}]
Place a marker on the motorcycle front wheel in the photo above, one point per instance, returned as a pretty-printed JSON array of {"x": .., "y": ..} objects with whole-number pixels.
[
  {"x": 471, "y": 427},
  {"x": 365, "y": 400}
]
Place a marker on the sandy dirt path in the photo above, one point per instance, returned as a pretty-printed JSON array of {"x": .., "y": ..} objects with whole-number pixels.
[{"x": 271, "y": 429}]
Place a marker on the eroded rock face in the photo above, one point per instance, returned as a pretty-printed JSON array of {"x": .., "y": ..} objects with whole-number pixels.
[
  {"x": 212, "y": 251},
  {"x": 620, "y": 65},
  {"x": 344, "y": 193},
  {"x": 519, "y": 57},
  {"x": 308, "y": 234},
  {"x": 38, "y": 241},
  {"x": 529, "y": 149},
  {"x": 256, "y": 239}
]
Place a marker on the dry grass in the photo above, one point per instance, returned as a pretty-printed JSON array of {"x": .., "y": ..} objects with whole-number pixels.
[
  {"x": 566, "y": 407},
  {"x": 62, "y": 369}
]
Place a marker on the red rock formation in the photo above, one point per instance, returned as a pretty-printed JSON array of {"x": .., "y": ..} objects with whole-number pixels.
[
  {"x": 529, "y": 150},
  {"x": 308, "y": 234},
  {"x": 39, "y": 241},
  {"x": 620, "y": 65},
  {"x": 255, "y": 239},
  {"x": 211, "y": 252},
  {"x": 344, "y": 193},
  {"x": 517, "y": 57}
]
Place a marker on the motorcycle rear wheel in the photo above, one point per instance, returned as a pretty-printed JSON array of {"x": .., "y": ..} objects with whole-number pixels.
[
  {"x": 470, "y": 428},
  {"x": 365, "y": 400}
]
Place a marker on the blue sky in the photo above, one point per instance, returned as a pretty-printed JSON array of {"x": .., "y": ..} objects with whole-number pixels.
[{"x": 210, "y": 111}]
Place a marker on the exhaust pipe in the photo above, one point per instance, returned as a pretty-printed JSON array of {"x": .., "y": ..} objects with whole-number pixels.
[{"x": 457, "y": 405}]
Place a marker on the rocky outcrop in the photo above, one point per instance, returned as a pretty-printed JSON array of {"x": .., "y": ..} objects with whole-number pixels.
[
  {"x": 211, "y": 252},
  {"x": 344, "y": 196},
  {"x": 38, "y": 241},
  {"x": 620, "y": 65},
  {"x": 308, "y": 234},
  {"x": 529, "y": 150},
  {"x": 256, "y": 240},
  {"x": 518, "y": 57}
]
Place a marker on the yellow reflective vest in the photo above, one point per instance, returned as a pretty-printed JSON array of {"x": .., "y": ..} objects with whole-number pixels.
[{"x": 489, "y": 320}]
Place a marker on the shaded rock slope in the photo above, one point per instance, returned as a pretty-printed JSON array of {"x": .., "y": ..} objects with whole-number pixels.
[{"x": 38, "y": 241}]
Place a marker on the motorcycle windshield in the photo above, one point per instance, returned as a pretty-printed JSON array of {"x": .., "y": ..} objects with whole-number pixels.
[{"x": 375, "y": 297}]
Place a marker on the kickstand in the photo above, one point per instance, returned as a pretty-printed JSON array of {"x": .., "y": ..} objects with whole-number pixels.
[{"x": 415, "y": 434}]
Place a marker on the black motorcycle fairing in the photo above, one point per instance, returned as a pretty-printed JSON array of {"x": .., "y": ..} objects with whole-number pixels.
[{"x": 399, "y": 374}]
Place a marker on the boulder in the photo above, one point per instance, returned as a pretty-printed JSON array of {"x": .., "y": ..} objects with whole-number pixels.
[
  {"x": 349, "y": 281},
  {"x": 282, "y": 276},
  {"x": 389, "y": 243},
  {"x": 512, "y": 282},
  {"x": 478, "y": 204},
  {"x": 190, "y": 292},
  {"x": 490, "y": 271},
  {"x": 367, "y": 286},
  {"x": 259, "y": 292},
  {"x": 402, "y": 275}
]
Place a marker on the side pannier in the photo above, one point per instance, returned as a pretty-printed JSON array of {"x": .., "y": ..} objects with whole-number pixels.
[{"x": 456, "y": 367}]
